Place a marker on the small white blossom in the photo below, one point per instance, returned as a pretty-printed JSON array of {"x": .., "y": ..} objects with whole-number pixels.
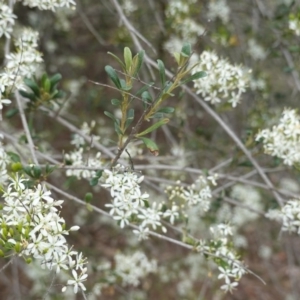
[
  {"x": 283, "y": 140},
  {"x": 224, "y": 82},
  {"x": 218, "y": 9},
  {"x": 294, "y": 24},
  {"x": 7, "y": 20},
  {"x": 132, "y": 275}
]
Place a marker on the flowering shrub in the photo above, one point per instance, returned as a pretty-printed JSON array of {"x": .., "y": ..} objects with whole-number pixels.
[{"x": 157, "y": 148}]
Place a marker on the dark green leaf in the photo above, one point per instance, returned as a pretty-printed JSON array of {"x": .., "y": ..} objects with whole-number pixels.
[
  {"x": 146, "y": 97},
  {"x": 33, "y": 86},
  {"x": 150, "y": 145},
  {"x": 110, "y": 115},
  {"x": 195, "y": 76},
  {"x": 153, "y": 127},
  {"x": 30, "y": 96},
  {"x": 94, "y": 181},
  {"x": 130, "y": 117},
  {"x": 158, "y": 115},
  {"x": 186, "y": 50},
  {"x": 113, "y": 76},
  {"x": 88, "y": 197},
  {"x": 162, "y": 71},
  {"x": 11, "y": 112},
  {"x": 115, "y": 102},
  {"x": 14, "y": 156},
  {"x": 54, "y": 80},
  {"x": 118, "y": 129},
  {"x": 144, "y": 88},
  {"x": 166, "y": 110},
  {"x": 118, "y": 60},
  {"x": 124, "y": 86}
]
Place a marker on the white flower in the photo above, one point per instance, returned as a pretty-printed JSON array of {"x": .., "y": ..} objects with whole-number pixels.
[
  {"x": 6, "y": 20},
  {"x": 224, "y": 82},
  {"x": 4, "y": 101},
  {"x": 294, "y": 24},
  {"x": 218, "y": 9},
  {"x": 255, "y": 50},
  {"x": 229, "y": 286},
  {"x": 131, "y": 275},
  {"x": 41, "y": 229},
  {"x": 77, "y": 281},
  {"x": 283, "y": 140},
  {"x": 142, "y": 233},
  {"x": 172, "y": 213}
]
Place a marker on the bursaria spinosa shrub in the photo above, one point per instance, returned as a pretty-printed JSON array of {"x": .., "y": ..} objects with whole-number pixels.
[{"x": 143, "y": 147}]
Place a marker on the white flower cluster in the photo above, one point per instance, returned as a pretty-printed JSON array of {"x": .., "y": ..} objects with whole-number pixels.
[
  {"x": 49, "y": 4},
  {"x": 130, "y": 203},
  {"x": 31, "y": 226},
  {"x": 199, "y": 193},
  {"x": 231, "y": 269},
  {"x": 218, "y": 9},
  {"x": 246, "y": 195},
  {"x": 20, "y": 64},
  {"x": 79, "y": 162},
  {"x": 256, "y": 51},
  {"x": 290, "y": 216},
  {"x": 294, "y": 24},
  {"x": 224, "y": 82},
  {"x": 83, "y": 165},
  {"x": 182, "y": 24},
  {"x": 283, "y": 140},
  {"x": 177, "y": 7},
  {"x": 129, "y": 7},
  {"x": 7, "y": 20},
  {"x": 131, "y": 268}
]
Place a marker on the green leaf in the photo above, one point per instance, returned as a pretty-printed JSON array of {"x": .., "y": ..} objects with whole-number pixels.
[
  {"x": 130, "y": 117},
  {"x": 118, "y": 60},
  {"x": 33, "y": 86},
  {"x": 140, "y": 59},
  {"x": 153, "y": 127},
  {"x": 54, "y": 80},
  {"x": 186, "y": 50},
  {"x": 166, "y": 110},
  {"x": 115, "y": 102},
  {"x": 117, "y": 128},
  {"x": 144, "y": 88},
  {"x": 130, "y": 114},
  {"x": 158, "y": 115},
  {"x": 146, "y": 97},
  {"x": 11, "y": 112},
  {"x": 47, "y": 85},
  {"x": 162, "y": 71},
  {"x": 94, "y": 181},
  {"x": 14, "y": 156},
  {"x": 124, "y": 86},
  {"x": 88, "y": 197},
  {"x": 110, "y": 115},
  {"x": 113, "y": 76},
  {"x": 195, "y": 76},
  {"x": 150, "y": 145},
  {"x": 59, "y": 95},
  {"x": 30, "y": 96},
  {"x": 177, "y": 57},
  {"x": 127, "y": 58}
]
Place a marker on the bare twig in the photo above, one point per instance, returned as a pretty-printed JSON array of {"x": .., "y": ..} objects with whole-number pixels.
[{"x": 26, "y": 128}]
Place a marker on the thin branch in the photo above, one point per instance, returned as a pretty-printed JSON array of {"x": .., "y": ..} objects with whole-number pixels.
[
  {"x": 89, "y": 25},
  {"x": 26, "y": 128}
]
